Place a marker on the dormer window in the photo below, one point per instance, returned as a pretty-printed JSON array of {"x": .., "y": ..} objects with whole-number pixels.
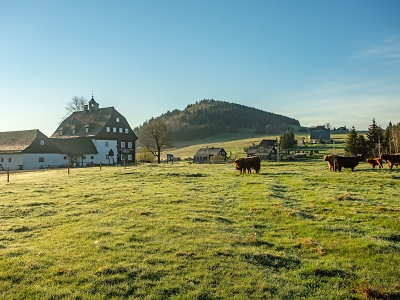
[
  {"x": 42, "y": 142},
  {"x": 117, "y": 120}
]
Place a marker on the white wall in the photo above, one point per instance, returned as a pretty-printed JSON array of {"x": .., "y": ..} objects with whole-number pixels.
[
  {"x": 16, "y": 159},
  {"x": 103, "y": 150},
  {"x": 31, "y": 161}
]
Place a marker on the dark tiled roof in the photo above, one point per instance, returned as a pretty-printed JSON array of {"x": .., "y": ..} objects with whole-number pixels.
[
  {"x": 80, "y": 120},
  {"x": 267, "y": 143},
  {"x": 74, "y": 146},
  {"x": 260, "y": 150},
  {"x": 18, "y": 141},
  {"x": 202, "y": 152}
]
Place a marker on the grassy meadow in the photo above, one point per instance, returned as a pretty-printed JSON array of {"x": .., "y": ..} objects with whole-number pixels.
[{"x": 185, "y": 231}]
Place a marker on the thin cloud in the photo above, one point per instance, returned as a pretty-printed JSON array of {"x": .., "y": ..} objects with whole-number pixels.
[{"x": 386, "y": 49}]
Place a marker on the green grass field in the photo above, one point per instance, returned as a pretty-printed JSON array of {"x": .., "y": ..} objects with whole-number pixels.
[{"x": 186, "y": 231}]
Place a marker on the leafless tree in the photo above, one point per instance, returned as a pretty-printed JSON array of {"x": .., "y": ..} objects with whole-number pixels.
[
  {"x": 156, "y": 136},
  {"x": 76, "y": 104}
]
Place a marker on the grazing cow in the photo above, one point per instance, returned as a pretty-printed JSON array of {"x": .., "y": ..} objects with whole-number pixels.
[
  {"x": 391, "y": 159},
  {"x": 247, "y": 163},
  {"x": 331, "y": 161},
  {"x": 347, "y": 162},
  {"x": 375, "y": 162}
]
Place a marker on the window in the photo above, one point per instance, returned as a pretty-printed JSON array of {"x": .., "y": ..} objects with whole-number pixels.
[
  {"x": 108, "y": 129},
  {"x": 84, "y": 157},
  {"x": 73, "y": 131},
  {"x": 114, "y": 129},
  {"x": 41, "y": 159},
  {"x": 9, "y": 159},
  {"x": 117, "y": 119},
  {"x": 122, "y": 144},
  {"x": 87, "y": 129},
  {"x": 120, "y": 130},
  {"x": 42, "y": 142},
  {"x": 60, "y": 132},
  {"x": 129, "y": 156},
  {"x": 92, "y": 157},
  {"x": 106, "y": 144},
  {"x": 2, "y": 159},
  {"x": 126, "y": 130},
  {"x": 65, "y": 157},
  {"x": 129, "y": 144}
]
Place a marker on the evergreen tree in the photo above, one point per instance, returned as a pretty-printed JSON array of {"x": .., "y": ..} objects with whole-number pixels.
[
  {"x": 287, "y": 140},
  {"x": 362, "y": 147},
  {"x": 352, "y": 141},
  {"x": 388, "y": 139},
  {"x": 374, "y": 139}
]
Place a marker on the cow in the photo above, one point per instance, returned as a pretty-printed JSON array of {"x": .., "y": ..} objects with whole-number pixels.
[
  {"x": 331, "y": 161},
  {"x": 247, "y": 163},
  {"x": 347, "y": 162},
  {"x": 375, "y": 162},
  {"x": 391, "y": 159}
]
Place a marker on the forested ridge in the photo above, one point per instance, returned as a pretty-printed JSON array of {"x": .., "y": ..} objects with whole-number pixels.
[{"x": 208, "y": 117}]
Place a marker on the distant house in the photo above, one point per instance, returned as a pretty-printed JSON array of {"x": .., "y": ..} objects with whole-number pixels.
[
  {"x": 96, "y": 135},
  {"x": 318, "y": 132},
  {"x": 264, "y": 153},
  {"x": 205, "y": 155},
  {"x": 28, "y": 149}
]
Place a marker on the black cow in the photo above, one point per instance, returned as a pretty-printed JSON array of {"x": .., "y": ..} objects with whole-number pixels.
[
  {"x": 347, "y": 162},
  {"x": 391, "y": 159}
]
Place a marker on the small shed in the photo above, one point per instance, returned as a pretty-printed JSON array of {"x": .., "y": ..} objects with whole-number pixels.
[{"x": 170, "y": 158}]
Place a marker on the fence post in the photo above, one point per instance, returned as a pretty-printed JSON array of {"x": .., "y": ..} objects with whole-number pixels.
[
  {"x": 100, "y": 165},
  {"x": 68, "y": 165},
  {"x": 8, "y": 174}
]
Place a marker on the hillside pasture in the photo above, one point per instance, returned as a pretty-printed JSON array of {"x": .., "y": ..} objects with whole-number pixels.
[{"x": 185, "y": 231}]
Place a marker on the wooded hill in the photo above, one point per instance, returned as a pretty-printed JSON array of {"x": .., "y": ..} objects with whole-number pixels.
[{"x": 208, "y": 117}]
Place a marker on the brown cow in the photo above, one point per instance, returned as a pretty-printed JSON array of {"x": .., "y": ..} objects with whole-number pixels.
[
  {"x": 247, "y": 163},
  {"x": 331, "y": 161},
  {"x": 375, "y": 162},
  {"x": 347, "y": 162},
  {"x": 391, "y": 159}
]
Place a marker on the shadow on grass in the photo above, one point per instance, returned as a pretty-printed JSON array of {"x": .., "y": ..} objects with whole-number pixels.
[{"x": 273, "y": 261}]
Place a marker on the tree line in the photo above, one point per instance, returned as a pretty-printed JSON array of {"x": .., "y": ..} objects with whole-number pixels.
[
  {"x": 375, "y": 142},
  {"x": 209, "y": 117}
]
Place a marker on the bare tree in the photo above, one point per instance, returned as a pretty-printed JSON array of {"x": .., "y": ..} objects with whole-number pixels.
[
  {"x": 76, "y": 104},
  {"x": 156, "y": 136}
]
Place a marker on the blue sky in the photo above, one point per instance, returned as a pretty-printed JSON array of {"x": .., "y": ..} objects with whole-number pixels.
[{"x": 319, "y": 62}]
